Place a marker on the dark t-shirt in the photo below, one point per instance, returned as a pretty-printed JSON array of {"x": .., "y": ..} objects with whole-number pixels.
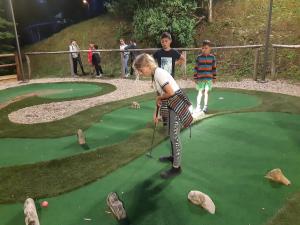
[{"x": 166, "y": 59}]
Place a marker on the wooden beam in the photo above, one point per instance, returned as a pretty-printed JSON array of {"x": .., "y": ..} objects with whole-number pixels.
[{"x": 8, "y": 65}]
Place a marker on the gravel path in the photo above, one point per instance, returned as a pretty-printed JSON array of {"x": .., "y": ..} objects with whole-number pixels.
[{"x": 125, "y": 89}]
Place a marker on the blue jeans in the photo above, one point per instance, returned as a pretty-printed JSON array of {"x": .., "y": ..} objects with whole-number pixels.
[{"x": 126, "y": 58}]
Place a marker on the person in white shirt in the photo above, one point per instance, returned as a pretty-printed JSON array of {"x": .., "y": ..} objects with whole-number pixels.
[
  {"x": 167, "y": 89},
  {"x": 125, "y": 56},
  {"x": 75, "y": 54}
]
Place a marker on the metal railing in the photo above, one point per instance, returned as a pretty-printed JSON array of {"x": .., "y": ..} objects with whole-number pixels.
[{"x": 184, "y": 51}]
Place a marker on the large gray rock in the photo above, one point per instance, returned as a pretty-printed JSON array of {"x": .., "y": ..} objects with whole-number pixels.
[
  {"x": 203, "y": 200},
  {"x": 30, "y": 213}
]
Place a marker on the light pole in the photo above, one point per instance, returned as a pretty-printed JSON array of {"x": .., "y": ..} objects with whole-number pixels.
[
  {"x": 88, "y": 5},
  {"x": 17, "y": 39},
  {"x": 267, "y": 43}
]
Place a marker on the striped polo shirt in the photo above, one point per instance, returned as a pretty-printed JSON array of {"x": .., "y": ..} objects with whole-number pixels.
[{"x": 206, "y": 67}]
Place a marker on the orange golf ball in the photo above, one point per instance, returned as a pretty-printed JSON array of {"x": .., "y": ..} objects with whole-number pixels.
[{"x": 44, "y": 204}]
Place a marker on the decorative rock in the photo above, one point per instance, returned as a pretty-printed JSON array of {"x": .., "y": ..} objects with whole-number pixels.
[
  {"x": 31, "y": 217},
  {"x": 116, "y": 206},
  {"x": 81, "y": 137},
  {"x": 203, "y": 200},
  {"x": 135, "y": 105},
  {"x": 276, "y": 175}
]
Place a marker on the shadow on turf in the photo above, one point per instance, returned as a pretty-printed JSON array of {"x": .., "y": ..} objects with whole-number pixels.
[{"x": 143, "y": 199}]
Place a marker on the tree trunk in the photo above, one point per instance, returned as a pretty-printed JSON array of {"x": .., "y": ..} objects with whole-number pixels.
[{"x": 210, "y": 18}]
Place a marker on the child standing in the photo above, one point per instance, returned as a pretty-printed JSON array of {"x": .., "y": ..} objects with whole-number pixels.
[
  {"x": 168, "y": 57},
  {"x": 178, "y": 105},
  {"x": 205, "y": 75},
  {"x": 90, "y": 58},
  {"x": 125, "y": 56},
  {"x": 96, "y": 62}
]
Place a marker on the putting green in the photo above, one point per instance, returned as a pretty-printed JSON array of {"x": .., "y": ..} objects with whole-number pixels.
[
  {"x": 226, "y": 158},
  {"x": 112, "y": 128},
  {"x": 62, "y": 90}
]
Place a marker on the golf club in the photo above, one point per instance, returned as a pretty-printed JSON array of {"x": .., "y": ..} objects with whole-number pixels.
[{"x": 149, "y": 153}]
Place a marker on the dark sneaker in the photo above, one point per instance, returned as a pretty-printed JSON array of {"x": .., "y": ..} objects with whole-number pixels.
[
  {"x": 166, "y": 159},
  {"x": 205, "y": 109},
  {"x": 171, "y": 173}
]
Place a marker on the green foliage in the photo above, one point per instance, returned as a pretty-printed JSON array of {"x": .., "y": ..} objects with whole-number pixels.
[
  {"x": 6, "y": 36},
  {"x": 174, "y": 16}
]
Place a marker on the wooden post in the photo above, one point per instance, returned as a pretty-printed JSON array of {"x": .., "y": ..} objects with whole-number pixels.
[
  {"x": 28, "y": 66},
  {"x": 273, "y": 64},
  {"x": 184, "y": 64},
  {"x": 210, "y": 16},
  {"x": 122, "y": 65},
  {"x": 255, "y": 66},
  {"x": 30, "y": 213},
  {"x": 18, "y": 67}
]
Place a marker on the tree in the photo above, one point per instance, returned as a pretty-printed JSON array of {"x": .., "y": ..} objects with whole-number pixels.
[
  {"x": 174, "y": 16},
  {"x": 6, "y": 37}
]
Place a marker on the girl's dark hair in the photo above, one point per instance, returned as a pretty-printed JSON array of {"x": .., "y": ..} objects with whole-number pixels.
[{"x": 96, "y": 46}]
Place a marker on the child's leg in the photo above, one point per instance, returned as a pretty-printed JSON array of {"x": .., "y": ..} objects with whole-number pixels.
[
  {"x": 174, "y": 137},
  {"x": 206, "y": 96},
  {"x": 100, "y": 67},
  {"x": 199, "y": 98},
  {"x": 174, "y": 126},
  {"x": 97, "y": 69}
]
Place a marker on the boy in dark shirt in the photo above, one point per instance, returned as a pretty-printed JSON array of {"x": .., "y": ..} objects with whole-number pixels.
[{"x": 168, "y": 57}]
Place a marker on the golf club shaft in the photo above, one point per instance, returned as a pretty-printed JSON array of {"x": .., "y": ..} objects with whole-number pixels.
[{"x": 153, "y": 136}]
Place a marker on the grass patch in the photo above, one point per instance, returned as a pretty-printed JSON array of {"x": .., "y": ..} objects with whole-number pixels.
[
  {"x": 60, "y": 128},
  {"x": 289, "y": 214},
  {"x": 55, "y": 177}
]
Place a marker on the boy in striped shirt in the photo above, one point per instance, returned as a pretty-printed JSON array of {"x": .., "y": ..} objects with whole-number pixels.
[{"x": 205, "y": 75}]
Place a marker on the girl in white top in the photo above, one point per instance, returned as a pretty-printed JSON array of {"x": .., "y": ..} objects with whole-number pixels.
[{"x": 166, "y": 87}]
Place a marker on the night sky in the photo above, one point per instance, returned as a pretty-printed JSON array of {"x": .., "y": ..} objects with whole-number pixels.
[{"x": 38, "y": 19}]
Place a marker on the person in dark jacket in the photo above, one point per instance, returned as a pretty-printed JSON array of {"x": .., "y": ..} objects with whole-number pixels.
[
  {"x": 133, "y": 54},
  {"x": 96, "y": 60}
]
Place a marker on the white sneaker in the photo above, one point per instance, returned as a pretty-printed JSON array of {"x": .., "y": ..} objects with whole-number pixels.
[{"x": 197, "y": 110}]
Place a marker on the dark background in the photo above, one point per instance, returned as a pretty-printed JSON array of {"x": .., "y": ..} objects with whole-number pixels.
[{"x": 39, "y": 19}]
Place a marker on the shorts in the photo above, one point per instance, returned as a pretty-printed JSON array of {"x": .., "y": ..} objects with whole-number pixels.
[{"x": 204, "y": 84}]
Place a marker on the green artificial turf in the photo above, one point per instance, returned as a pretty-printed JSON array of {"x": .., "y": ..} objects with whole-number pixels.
[
  {"x": 18, "y": 174},
  {"x": 110, "y": 128},
  {"x": 58, "y": 128},
  {"x": 60, "y": 90},
  {"x": 227, "y": 158}
]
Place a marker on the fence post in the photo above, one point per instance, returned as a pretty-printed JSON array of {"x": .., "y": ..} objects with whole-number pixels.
[
  {"x": 28, "y": 66},
  {"x": 273, "y": 64},
  {"x": 18, "y": 67},
  {"x": 184, "y": 54},
  {"x": 255, "y": 69},
  {"x": 122, "y": 65}
]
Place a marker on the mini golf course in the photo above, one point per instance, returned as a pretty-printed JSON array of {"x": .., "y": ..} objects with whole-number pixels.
[{"x": 227, "y": 157}]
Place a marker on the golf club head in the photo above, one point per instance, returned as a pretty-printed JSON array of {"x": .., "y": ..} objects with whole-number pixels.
[{"x": 149, "y": 154}]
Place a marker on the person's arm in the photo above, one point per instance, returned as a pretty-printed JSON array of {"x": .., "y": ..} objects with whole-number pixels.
[
  {"x": 180, "y": 61},
  {"x": 196, "y": 69},
  {"x": 214, "y": 69},
  {"x": 168, "y": 92},
  {"x": 179, "y": 58}
]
